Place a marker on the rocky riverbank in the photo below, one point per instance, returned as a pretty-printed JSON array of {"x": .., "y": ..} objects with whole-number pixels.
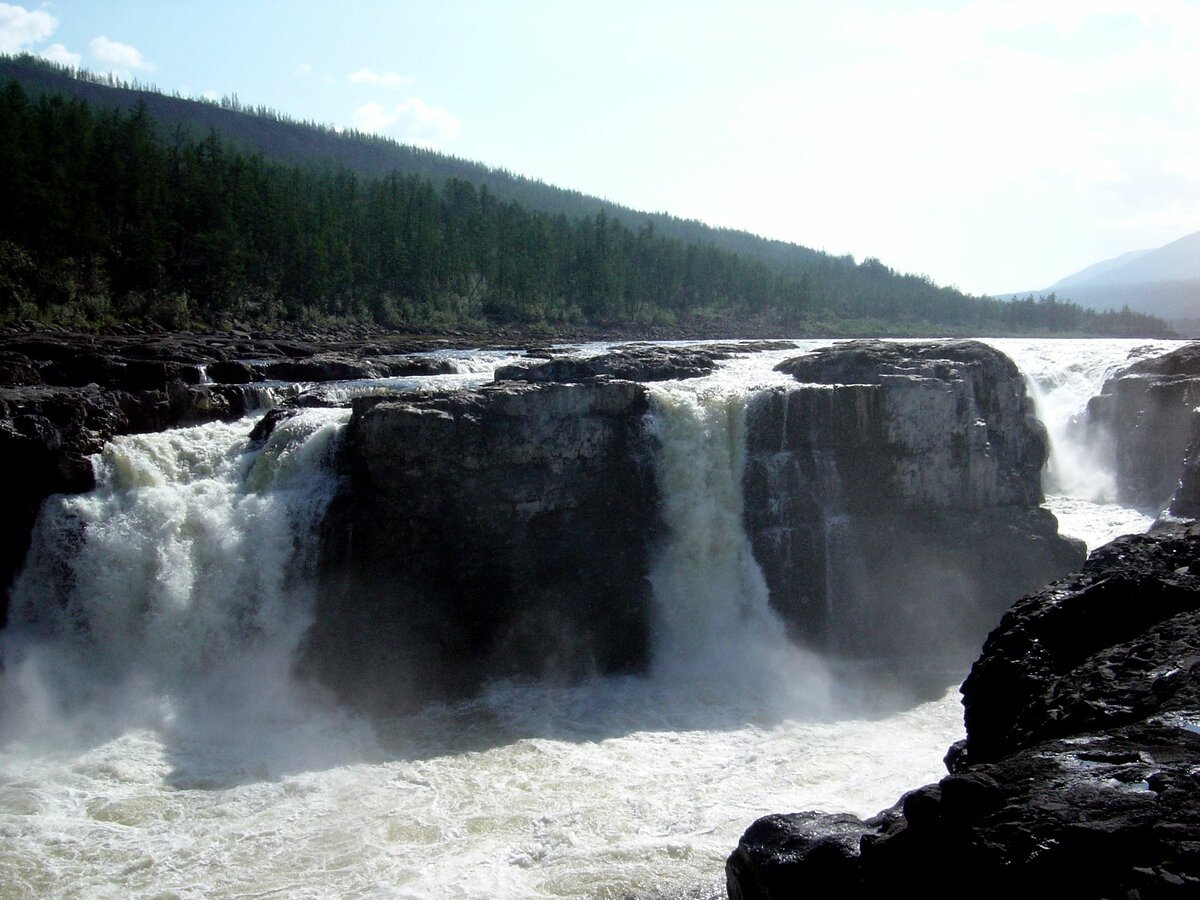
[{"x": 1080, "y": 773}]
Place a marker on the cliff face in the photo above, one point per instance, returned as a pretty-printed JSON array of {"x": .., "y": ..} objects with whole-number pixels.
[
  {"x": 490, "y": 533},
  {"x": 1151, "y": 413},
  {"x": 892, "y": 498},
  {"x": 1079, "y": 774},
  {"x": 510, "y": 531}
]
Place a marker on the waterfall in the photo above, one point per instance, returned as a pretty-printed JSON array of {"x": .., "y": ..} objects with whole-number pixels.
[
  {"x": 1080, "y": 476},
  {"x": 175, "y": 591},
  {"x": 714, "y": 625}
]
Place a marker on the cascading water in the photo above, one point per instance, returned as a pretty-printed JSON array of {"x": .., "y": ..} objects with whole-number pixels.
[
  {"x": 174, "y": 594},
  {"x": 715, "y": 626},
  {"x": 154, "y": 741},
  {"x": 1061, "y": 376}
]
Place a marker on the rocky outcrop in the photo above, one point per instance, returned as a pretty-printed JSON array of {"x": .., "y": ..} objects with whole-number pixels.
[
  {"x": 1080, "y": 773},
  {"x": 892, "y": 498},
  {"x": 491, "y": 533},
  {"x": 1150, "y": 411},
  {"x": 636, "y": 362},
  {"x": 649, "y": 363}
]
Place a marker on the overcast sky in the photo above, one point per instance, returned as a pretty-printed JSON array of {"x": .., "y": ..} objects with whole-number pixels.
[{"x": 995, "y": 145}]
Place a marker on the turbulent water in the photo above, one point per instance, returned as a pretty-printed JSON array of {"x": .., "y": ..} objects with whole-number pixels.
[{"x": 154, "y": 742}]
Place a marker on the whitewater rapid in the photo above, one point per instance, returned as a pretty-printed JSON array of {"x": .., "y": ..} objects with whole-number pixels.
[{"x": 156, "y": 744}]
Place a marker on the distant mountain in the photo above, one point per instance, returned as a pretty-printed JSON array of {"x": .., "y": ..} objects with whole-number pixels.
[
  {"x": 1163, "y": 281},
  {"x": 1099, "y": 270},
  {"x": 1176, "y": 261}
]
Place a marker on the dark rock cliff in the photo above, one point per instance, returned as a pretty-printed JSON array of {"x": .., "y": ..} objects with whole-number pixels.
[
  {"x": 510, "y": 531},
  {"x": 1080, "y": 773},
  {"x": 1150, "y": 411},
  {"x": 490, "y": 533},
  {"x": 892, "y": 498}
]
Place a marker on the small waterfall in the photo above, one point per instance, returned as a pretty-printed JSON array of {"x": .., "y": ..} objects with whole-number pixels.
[
  {"x": 177, "y": 590},
  {"x": 715, "y": 626},
  {"x": 1080, "y": 476}
]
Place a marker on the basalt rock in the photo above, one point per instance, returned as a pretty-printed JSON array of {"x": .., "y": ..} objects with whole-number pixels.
[
  {"x": 320, "y": 368},
  {"x": 1150, "y": 411},
  {"x": 633, "y": 363},
  {"x": 502, "y": 532},
  {"x": 892, "y": 498},
  {"x": 1080, "y": 773}
]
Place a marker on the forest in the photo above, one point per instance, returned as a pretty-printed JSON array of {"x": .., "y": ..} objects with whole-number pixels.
[{"x": 109, "y": 217}]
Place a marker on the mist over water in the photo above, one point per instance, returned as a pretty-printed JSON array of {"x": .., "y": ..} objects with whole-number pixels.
[{"x": 154, "y": 741}]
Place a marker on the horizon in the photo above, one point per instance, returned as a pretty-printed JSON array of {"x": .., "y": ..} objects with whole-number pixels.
[{"x": 996, "y": 146}]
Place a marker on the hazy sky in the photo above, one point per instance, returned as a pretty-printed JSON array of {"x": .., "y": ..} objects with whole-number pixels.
[{"x": 996, "y": 145}]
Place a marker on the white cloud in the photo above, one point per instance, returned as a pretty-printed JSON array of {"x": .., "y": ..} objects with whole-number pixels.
[
  {"x": 122, "y": 60},
  {"x": 20, "y": 28},
  {"x": 384, "y": 79},
  {"x": 57, "y": 53},
  {"x": 412, "y": 121},
  {"x": 302, "y": 70}
]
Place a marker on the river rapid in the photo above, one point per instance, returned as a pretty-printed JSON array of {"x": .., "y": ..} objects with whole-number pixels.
[{"x": 154, "y": 741}]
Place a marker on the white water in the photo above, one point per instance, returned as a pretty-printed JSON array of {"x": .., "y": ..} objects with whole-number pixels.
[
  {"x": 1061, "y": 376},
  {"x": 165, "y": 750}
]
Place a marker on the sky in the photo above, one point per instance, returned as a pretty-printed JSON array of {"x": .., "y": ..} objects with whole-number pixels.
[{"x": 994, "y": 145}]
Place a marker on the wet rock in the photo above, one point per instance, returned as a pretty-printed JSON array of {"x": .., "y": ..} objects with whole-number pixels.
[
  {"x": 320, "y": 368},
  {"x": 893, "y": 499},
  {"x": 1150, "y": 411},
  {"x": 233, "y": 372},
  {"x": 649, "y": 363},
  {"x": 502, "y": 532},
  {"x": 413, "y": 366},
  {"x": 18, "y": 369},
  {"x": 1080, "y": 773},
  {"x": 1186, "y": 502}
]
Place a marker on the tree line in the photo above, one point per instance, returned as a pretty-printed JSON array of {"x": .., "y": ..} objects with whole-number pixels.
[{"x": 106, "y": 218}]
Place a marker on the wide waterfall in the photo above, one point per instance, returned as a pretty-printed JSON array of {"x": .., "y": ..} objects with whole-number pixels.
[{"x": 156, "y": 741}]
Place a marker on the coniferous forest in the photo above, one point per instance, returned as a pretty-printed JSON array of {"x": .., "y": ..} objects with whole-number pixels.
[{"x": 109, "y": 217}]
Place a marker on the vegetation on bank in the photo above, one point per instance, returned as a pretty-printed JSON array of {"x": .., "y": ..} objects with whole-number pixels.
[{"x": 109, "y": 218}]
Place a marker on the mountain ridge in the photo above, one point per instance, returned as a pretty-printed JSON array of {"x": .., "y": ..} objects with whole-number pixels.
[{"x": 1159, "y": 281}]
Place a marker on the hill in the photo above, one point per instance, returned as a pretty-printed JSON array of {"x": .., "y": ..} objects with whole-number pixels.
[
  {"x": 280, "y": 138},
  {"x": 123, "y": 204}
]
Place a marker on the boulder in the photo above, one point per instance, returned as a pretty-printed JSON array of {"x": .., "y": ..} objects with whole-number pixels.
[
  {"x": 893, "y": 499},
  {"x": 1080, "y": 773},
  {"x": 633, "y": 363},
  {"x": 500, "y": 532},
  {"x": 324, "y": 367},
  {"x": 412, "y": 366}
]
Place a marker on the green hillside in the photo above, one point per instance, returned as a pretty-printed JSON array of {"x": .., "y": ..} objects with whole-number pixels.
[{"x": 124, "y": 203}]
